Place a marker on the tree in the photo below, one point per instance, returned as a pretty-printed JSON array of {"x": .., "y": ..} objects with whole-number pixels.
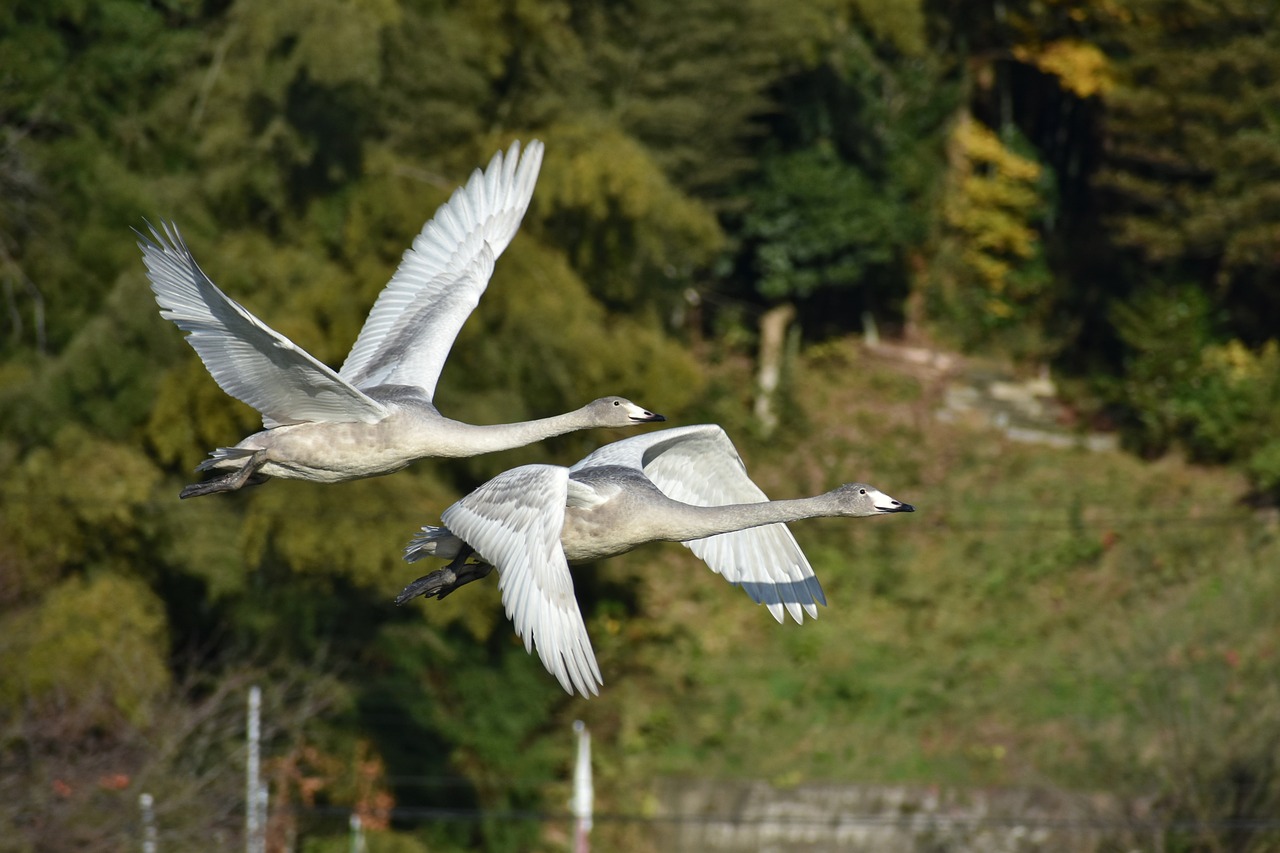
[
  {"x": 1192, "y": 176},
  {"x": 842, "y": 203},
  {"x": 989, "y": 284}
]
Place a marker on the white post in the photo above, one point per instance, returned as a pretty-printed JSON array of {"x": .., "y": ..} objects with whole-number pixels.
[
  {"x": 583, "y": 795},
  {"x": 254, "y": 826},
  {"x": 773, "y": 339},
  {"x": 145, "y": 802},
  {"x": 263, "y": 796},
  {"x": 357, "y": 833},
  {"x": 870, "y": 334}
]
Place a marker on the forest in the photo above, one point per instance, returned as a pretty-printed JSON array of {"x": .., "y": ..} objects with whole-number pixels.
[{"x": 1082, "y": 189}]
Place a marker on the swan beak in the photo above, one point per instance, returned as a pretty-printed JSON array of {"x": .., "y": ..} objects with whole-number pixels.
[
  {"x": 884, "y": 503},
  {"x": 647, "y": 417}
]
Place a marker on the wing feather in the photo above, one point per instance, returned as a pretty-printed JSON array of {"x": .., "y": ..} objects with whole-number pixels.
[
  {"x": 418, "y": 315},
  {"x": 514, "y": 521},
  {"x": 699, "y": 465},
  {"x": 247, "y": 358}
]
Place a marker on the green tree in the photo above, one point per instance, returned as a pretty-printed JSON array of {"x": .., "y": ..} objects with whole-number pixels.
[
  {"x": 92, "y": 651},
  {"x": 841, "y": 206},
  {"x": 1218, "y": 402},
  {"x": 75, "y": 87},
  {"x": 1193, "y": 149}
]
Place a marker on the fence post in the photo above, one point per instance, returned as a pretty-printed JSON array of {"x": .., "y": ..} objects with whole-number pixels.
[
  {"x": 583, "y": 794},
  {"x": 357, "y": 833},
  {"x": 145, "y": 802},
  {"x": 255, "y": 839}
]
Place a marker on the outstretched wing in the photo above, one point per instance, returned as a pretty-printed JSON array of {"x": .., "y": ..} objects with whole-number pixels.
[
  {"x": 514, "y": 522},
  {"x": 418, "y": 315},
  {"x": 699, "y": 465},
  {"x": 248, "y": 359}
]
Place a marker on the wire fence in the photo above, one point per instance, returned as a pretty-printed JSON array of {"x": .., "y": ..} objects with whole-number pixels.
[{"x": 912, "y": 821}]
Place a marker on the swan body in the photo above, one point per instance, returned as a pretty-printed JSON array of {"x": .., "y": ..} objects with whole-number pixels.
[
  {"x": 375, "y": 415},
  {"x": 413, "y": 429},
  {"x": 686, "y": 485}
]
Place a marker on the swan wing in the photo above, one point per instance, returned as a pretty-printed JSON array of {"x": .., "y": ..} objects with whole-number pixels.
[
  {"x": 418, "y": 315},
  {"x": 766, "y": 562},
  {"x": 514, "y": 521},
  {"x": 699, "y": 465},
  {"x": 247, "y": 358}
]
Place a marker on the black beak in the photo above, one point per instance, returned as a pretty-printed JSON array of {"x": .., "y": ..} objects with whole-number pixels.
[
  {"x": 647, "y": 418},
  {"x": 901, "y": 507}
]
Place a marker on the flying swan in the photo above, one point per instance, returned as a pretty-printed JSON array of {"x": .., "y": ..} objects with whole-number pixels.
[
  {"x": 685, "y": 485},
  {"x": 375, "y": 415}
]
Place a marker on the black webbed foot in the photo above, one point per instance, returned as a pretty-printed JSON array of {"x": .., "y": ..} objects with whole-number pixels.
[
  {"x": 246, "y": 475},
  {"x": 442, "y": 582}
]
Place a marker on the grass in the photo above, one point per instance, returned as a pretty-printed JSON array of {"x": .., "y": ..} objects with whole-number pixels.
[{"x": 1039, "y": 619}]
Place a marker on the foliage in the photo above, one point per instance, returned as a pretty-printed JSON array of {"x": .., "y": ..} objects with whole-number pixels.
[
  {"x": 1189, "y": 186},
  {"x": 985, "y": 641},
  {"x": 683, "y": 79},
  {"x": 989, "y": 282},
  {"x": 1109, "y": 197},
  {"x": 74, "y": 87},
  {"x": 1059, "y": 563},
  {"x": 1219, "y": 402},
  {"x": 65, "y": 792},
  {"x": 1165, "y": 333},
  {"x": 1204, "y": 695},
  {"x": 841, "y": 203},
  {"x": 819, "y": 222},
  {"x": 608, "y": 202},
  {"x": 1193, "y": 146},
  {"x": 1233, "y": 389},
  {"x": 1081, "y": 67},
  {"x": 76, "y": 504},
  {"x": 97, "y": 645}
]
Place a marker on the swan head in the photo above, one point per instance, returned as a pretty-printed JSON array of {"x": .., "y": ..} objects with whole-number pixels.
[
  {"x": 861, "y": 500},
  {"x": 619, "y": 411}
]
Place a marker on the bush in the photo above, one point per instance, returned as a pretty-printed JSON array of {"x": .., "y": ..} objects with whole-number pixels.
[{"x": 1220, "y": 402}]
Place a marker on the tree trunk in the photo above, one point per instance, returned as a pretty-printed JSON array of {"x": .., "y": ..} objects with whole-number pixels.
[{"x": 773, "y": 334}]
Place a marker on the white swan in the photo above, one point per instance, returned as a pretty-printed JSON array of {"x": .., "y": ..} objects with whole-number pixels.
[
  {"x": 375, "y": 415},
  {"x": 686, "y": 484}
]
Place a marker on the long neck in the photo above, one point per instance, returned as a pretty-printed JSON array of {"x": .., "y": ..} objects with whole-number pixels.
[
  {"x": 455, "y": 438},
  {"x": 682, "y": 522}
]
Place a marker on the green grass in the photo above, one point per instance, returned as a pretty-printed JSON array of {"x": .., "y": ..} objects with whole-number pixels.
[{"x": 1033, "y": 622}]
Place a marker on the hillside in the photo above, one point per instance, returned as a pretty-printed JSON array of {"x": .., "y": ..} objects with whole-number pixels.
[
  {"x": 1082, "y": 186},
  {"x": 1046, "y": 617}
]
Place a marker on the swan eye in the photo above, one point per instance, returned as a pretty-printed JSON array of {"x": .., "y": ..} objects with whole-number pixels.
[
  {"x": 862, "y": 491},
  {"x": 617, "y": 403}
]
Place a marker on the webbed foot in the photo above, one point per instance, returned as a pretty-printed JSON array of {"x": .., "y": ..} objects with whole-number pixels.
[
  {"x": 441, "y": 582},
  {"x": 246, "y": 475}
]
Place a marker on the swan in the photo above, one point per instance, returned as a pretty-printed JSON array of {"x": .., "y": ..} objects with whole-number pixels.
[
  {"x": 374, "y": 415},
  {"x": 685, "y": 484}
]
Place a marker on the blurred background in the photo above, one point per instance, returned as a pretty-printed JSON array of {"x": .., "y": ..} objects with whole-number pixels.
[{"x": 1016, "y": 263}]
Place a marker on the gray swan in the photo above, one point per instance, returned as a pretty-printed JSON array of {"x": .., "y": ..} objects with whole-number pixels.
[
  {"x": 375, "y": 415},
  {"x": 685, "y": 484}
]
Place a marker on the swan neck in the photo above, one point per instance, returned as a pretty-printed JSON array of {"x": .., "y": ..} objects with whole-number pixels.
[
  {"x": 474, "y": 439},
  {"x": 698, "y": 522}
]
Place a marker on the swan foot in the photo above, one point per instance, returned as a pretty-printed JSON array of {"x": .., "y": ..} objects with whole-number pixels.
[
  {"x": 441, "y": 582},
  {"x": 247, "y": 475}
]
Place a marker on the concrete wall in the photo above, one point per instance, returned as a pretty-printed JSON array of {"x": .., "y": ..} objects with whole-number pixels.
[{"x": 756, "y": 816}]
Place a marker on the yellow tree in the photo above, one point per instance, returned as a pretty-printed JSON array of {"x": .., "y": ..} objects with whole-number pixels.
[{"x": 988, "y": 275}]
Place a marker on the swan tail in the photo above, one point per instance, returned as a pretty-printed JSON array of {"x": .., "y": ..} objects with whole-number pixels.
[
  {"x": 433, "y": 542},
  {"x": 224, "y": 454}
]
